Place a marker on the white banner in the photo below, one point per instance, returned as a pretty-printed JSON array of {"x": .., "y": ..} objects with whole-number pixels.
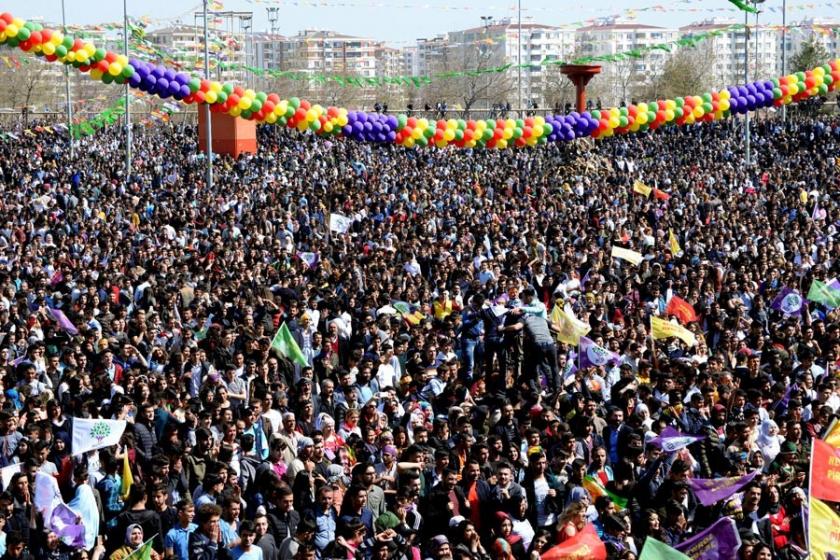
[
  {"x": 339, "y": 223},
  {"x": 89, "y": 434}
]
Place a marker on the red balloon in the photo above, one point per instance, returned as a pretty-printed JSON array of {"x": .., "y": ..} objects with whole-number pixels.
[
  {"x": 520, "y": 142},
  {"x": 300, "y": 114},
  {"x": 661, "y": 105},
  {"x": 660, "y": 116},
  {"x": 810, "y": 82},
  {"x": 36, "y": 38},
  {"x": 233, "y": 99},
  {"x": 269, "y": 107},
  {"x": 305, "y": 105},
  {"x": 238, "y": 91},
  {"x": 500, "y": 124},
  {"x": 469, "y": 134},
  {"x": 331, "y": 111},
  {"x": 441, "y": 124},
  {"x": 411, "y": 122},
  {"x": 53, "y": 58},
  {"x": 527, "y": 132},
  {"x": 632, "y": 110},
  {"x": 273, "y": 97},
  {"x": 204, "y": 86},
  {"x": 470, "y": 126},
  {"x": 439, "y": 135},
  {"x": 25, "y": 45},
  {"x": 199, "y": 96},
  {"x": 109, "y": 57},
  {"x": 498, "y": 133},
  {"x": 7, "y": 17},
  {"x": 78, "y": 44},
  {"x": 102, "y": 66},
  {"x": 529, "y": 121}
]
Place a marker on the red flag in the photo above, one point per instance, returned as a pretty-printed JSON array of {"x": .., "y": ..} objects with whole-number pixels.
[
  {"x": 682, "y": 310},
  {"x": 661, "y": 195},
  {"x": 585, "y": 544},
  {"x": 825, "y": 472}
]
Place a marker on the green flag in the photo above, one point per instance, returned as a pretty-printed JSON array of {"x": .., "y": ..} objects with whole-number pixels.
[
  {"x": 285, "y": 343},
  {"x": 656, "y": 550},
  {"x": 142, "y": 553},
  {"x": 824, "y": 294}
]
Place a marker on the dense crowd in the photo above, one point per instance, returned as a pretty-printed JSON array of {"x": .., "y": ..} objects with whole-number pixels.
[{"x": 437, "y": 415}]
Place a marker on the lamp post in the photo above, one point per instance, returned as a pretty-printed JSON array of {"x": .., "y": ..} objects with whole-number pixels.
[
  {"x": 127, "y": 103},
  {"x": 784, "y": 54},
  {"x": 519, "y": 54},
  {"x": 484, "y": 53},
  {"x": 67, "y": 88},
  {"x": 746, "y": 81},
  {"x": 207, "y": 123}
]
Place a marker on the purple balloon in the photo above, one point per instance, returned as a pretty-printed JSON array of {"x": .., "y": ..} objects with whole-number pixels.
[
  {"x": 135, "y": 80},
  {"x": 362, "y": 117},
  {"x": 392, "y": 136},
  {"x": 163, "y": 84},
  {"x": 347, "y": 129},
  {"x": 184, "y": 90},
  {"x": 182, "y": 79},
  {"x": 743, "y": 91},
  {"x": 150, "y": 80}
]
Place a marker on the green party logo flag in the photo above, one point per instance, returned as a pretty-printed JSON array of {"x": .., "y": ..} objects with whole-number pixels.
[
  {"x": 656, "y": 550},
  {"x": 285, "y": 344},
  {"x": 826, "y": 294},
  {"x": 142, "y": 553}
]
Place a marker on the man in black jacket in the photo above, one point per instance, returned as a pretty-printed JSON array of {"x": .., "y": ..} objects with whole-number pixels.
[
  {"x": 205, "y": 541},
  {"x": 144, "y": 433}
]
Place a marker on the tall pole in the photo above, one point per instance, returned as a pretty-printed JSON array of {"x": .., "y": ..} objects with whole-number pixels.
[
  {"x": 519, "y": 54},
  {"x": 746, "y": 80},
  {"x": 207, "y": 123},
  {"x": 67, "y": 88},
  {"x": 784, "y": 54},
  {"x": 127, "y": 102}
]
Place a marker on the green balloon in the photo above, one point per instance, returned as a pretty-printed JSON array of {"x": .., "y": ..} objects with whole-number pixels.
[
  {"x": 462, "y": 124},
  {"x": 800, "y": 76},
  {"x": 261, "y": 95},
  {"x": 707, "y": 97},
  {"x": 520, "y": 123},
  {"x": 194, "y": 84},
  {"x": 679, "y": 101},
  {"x": 67, "y": 42},
  {"x": 99, "y": 54},
  {"x": 596, "y": 114},
  {"x": 290, "y": 111},
  {"x": 221, "y": 96},
  {"x": 547, "y": 129},
  {"x": 13, "y": 42},
  {"x": 227, "y": 88},
  {"x": 622, "y": 121},
  {"x": 488, "y": 134},
  {"x": 246, "y": 114},
  {"x": 283, "y": 122},
  {"x": 315, "y": 125},
  {"x": 107, "y": 78},
  {"x": 294, "y": 102},
  {"x": 256, "y": 105},
  {"x": 422, "y": 141},
  {"x": 517, "y": 132},
  {"x": 429, "y": 132},
  {"x": 60, "y": 51},
  {"x": 29, "y": 25},
  {"x": 24, "y": 33},
  {"x": 127, "y": 71},
  {"x": 459, "y": 135},
  {"x": 707, "y": 107},
  {"x": 623, "y": 111},
  {"x": 678, "y": 112},
  {"x": 402, "y": 120},
  {"x": 823, "y": 89}
]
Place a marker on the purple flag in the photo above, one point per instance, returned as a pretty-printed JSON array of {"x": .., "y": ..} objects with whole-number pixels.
[
  {"x": 592, "y": 355},
  {"x": 64, "y": 323},
  {"x": 670, "y": 440},
  {"x": 311, "y": 259},
  {"x": 720, "y": 541},
  {"x": 585, "y": 279},
  {"x": 67, "y": 526},
  {"x": 788, "y": 301},
  {"x": 710, "y": 491}
]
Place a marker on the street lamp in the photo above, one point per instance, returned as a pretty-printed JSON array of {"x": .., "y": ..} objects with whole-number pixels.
[
  {"x": 747, "y": 72},
  {"x": 67, "y": 87},
  {"x": 207, "y": 123},
  {"x": 127, "y": 102}
]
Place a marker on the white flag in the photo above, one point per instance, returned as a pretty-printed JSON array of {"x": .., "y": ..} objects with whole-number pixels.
[
  {"x": 6, "y": 474},
  {"x": 47, "y": 494},
  {"x": 339, "y": 223},
  {"x": 628, "y": 255},
  {"x": 89, "y": 434}
]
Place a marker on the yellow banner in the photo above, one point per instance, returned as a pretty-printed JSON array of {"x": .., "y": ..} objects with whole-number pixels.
[
  {"x": 571, "y": 328},
  {"x": 626, "y": 254},
  {"x": 661, "y": 329},
  {"x": 823, "y": 530},
  {"x": 641, "y": 188},
  {"x": 673, "y": 243}
]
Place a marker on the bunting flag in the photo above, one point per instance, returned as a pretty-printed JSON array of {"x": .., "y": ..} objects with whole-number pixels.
[
  {"x": 593, "y": 485},
  {"x": 285, "y": 344},
  {"x": 127, "y": 478},
  {"x": 743, "y": 6},
  {"x": 823, "y": 530},
  {"x": 788, "y": 302},
  {"x": 592, "y": 355},
  {"x": 641, "y": 188},
  {"x": 825, "y": 294},
  {"x": 661, "y": 329},
  {"x": 673, "y": 243},
  {"x": 571, "y": 329},
  {"x": 825, "y": 471},
  {"x": 670, "y": 440},
  {"x": 656, "y": 550},
  {"x": 719, "y": 541},
  {"x": 585, "y": 544},
  {"x": 95, "y": 433},
  {"x": 710, "y": 491},
  {"x": 628, "y": 255},
  {"x": 106, "y": 118},
  {"x": 682, "y": 310}
]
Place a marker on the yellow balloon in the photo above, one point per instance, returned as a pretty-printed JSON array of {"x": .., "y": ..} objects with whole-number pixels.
[
  {"x": 642, "y": 108},
  {"x": 216, "y": 86},
  {"x": 311, "y": 115},
  {"x": 122, "y": 59},
  {"x": 318, "y": 109},
  {"x": 48, "y": 48},
  {"x": 210, "y": 96},
  {"x": 281, "y": 107},
  {"x": 271, "y": 118},
  {"x": 532, "y": 141},
  {"x": 11, "y": 30},
  {"x": 698, "y": 112},
  {"x": 71, "y": 57},
  {"x": 671, "y": 104},
  {"x": 56, "y": 38},
  {"x": 440, "y": 143},
  {"x": 723, "y": 104},
  {"x": 510, "y": 123},
  {"x": 669, "y": 115},
  {"x": 422, "y": 124},
  {"x": 501, "y": 144},
  {"x": 416, "y": 133},
  {"x": 609, "y": 132},
  {"x": 90, "y": 49},
  {"x": 507, "y": 133},
  {"x": 539, "y": 121},
  {"x": 235, "y": 111},
  {"x": 538, "y": 129},
  {"x": 449, "y": 135},
  {"x": 409, "y": 142},
  {"x": 641, "y": 118},
  {"x": 244, "y": 103},
  {"x": 342, "y": 120},
  {"x": 250, "y": 93},
  {"x": 302, "y": 125},
  {"x": 724, "y": 94},
  {"x": 819, "y": 71},
  {"x": 634, "y": 127},
  {"x": 343, "y": 112},
  {"x": 614, "y": 122},
  {"x": 96, "y": 74},
  {"x": 328, "y": 126},
  {"x": 452, "y": 123}
]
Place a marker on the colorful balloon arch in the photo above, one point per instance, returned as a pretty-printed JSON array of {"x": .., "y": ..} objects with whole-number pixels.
[{"x": 163, "y": 82}]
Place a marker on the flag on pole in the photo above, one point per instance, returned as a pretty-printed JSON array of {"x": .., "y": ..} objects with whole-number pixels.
[
  {"x": 825, "y": 472},
  {"x": 710, "y": 491},
  {"x": 311, "y": 259},
  {"x": 142, "y": 553},
  {"x": 682, "y": 310},
  {"x": 832, "y": 436},
  {"x": 571, "y": 328},
  {"x": 673, "y": 243},
  {"x": 823, "y": 530},
  {"x": 285, "y": 344},
  {"x": 670, "y": 440},
  {"x": 788, "y": 301},
  {"x": 95, "y": 433},
  {"x": 656, "y": 550},
  {"x": 339, "y": 223},
  {"x": 628, "y": 255},
  {"x": 593, "y": 485},
  {"x": 661, "y": 195},
  {"x": 825, "y": 294},
  {"x": 127, "y": 478},
  {"x": 720, "y": 540},
  {"x": 592, "y": 355},
  {"x": 661, "y": 329},
  {"x": 641, "y": 188}
]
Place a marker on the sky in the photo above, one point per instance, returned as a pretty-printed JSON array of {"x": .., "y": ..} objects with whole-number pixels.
[{"x": 401, "y": 22}]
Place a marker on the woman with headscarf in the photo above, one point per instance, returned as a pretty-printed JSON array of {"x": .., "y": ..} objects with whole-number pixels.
[
  {"x": 505, "y": 532},
  {"x": 579, "y": 495},
  {"x": 134, "y": 539},
  {"x": 332, "y": 441},
  {"x": 769, "y": 441}
]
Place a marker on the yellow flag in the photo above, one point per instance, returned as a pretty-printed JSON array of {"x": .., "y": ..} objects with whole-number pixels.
[
  {"x": 641, "y": 188},
  {"x": 660, "y": 329},
  {"x": 832, "y": 436},
  {"x": 823, "y": 530},
  {"x": 626, "y": 254},
  {"x": 803, "y": 197},
  {"x": 571, "y": 328},
  {"x": 127, "y": 478},
  {"x": 673, "y": 243}
]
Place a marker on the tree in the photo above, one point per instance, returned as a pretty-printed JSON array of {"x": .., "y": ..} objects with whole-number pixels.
[
  {"x": 686, "y": 72},
  {"x": 811, "y": 53},
  {"x": 25, "y": 85}
]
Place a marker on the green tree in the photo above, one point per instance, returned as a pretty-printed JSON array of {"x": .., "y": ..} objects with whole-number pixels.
[{"x": 811, "y": 54}]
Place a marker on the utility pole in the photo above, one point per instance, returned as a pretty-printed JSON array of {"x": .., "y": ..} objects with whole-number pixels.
[
  {"x": 127, "y": 99},
  {"x": 784, "y": 54},
  {"x": 207, "y": 123},
  {"x": 519, "y": 55},
  {"x": 67, "y": 88},
  {"x": 746, "y": 81}
]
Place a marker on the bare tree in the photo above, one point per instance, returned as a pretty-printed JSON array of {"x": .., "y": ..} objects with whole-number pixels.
[
  {"x": 25, "y": 86},
  {"x": 686, "y": 72}
]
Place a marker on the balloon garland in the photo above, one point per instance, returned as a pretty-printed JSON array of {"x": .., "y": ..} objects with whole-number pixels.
[{"x": 236, "y": 101}]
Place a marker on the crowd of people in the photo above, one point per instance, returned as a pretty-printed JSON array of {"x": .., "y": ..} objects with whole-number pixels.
[{"x": 434, "y": 413}]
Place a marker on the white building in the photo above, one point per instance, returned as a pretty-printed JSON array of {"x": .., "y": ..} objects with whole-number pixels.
[{"x": 825, "y": 32}]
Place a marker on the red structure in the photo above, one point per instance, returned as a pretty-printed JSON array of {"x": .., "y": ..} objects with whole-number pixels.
[
  {"x": 580, "y": 74},
  {"x": 231, "y": 135}
]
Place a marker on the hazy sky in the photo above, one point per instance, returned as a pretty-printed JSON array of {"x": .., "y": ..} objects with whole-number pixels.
[{"x": 400, "y": 22}]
